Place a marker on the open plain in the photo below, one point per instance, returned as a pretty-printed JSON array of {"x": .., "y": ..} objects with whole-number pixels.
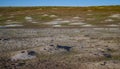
[{"x": 60, "y": 37}]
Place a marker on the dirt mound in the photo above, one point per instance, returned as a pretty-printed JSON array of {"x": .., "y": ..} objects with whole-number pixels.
[{"x": 24, "y": 55}]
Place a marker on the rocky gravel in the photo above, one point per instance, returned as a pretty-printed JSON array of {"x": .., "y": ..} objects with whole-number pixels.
[{"x": 86, "y": 48}]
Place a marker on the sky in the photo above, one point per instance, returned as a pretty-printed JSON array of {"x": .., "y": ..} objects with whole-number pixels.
[{"x": 58, "y": 2}]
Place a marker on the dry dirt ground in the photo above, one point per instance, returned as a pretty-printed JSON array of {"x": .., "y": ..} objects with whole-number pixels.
[{"x": 60, "y": 48}]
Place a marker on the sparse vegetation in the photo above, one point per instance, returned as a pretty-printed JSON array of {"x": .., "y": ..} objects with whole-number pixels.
[
  {"x": 78, "y": 43},
  {"x": 96, "y": 16}
]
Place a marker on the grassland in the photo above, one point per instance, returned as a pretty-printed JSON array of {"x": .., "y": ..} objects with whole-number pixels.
[
  {"x": 60, "y": 37},
  {"x": 101, "y": 16}
]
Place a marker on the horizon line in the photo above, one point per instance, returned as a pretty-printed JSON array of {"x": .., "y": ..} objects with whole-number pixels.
[{"x": 61, "y": 6}]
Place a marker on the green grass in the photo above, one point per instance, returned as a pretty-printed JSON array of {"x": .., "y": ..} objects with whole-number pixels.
[{"x": 41, "y": 18}]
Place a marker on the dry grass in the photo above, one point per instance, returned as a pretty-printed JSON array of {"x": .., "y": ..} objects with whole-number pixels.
[{"x": 97, "y": 14}]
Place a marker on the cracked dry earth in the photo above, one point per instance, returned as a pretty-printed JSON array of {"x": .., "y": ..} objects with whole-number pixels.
[{"x": 60, "y": 48}]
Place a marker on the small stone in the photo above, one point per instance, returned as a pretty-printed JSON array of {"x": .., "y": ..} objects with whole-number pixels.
[
  {"x": 23, "y": 52},
  {"x": 21, "y": 64},
  {"x": 108, "y": 49},
  {"x": 104, "y": 63},
  {"x": 107, "y": 55},
  {"x": 87, "y": 35},
  {"x": 31, "y": 53},
  {"x": 64, "y": 47},
  {"x": 51, "y": 45},
  {"x": 6, "y": 39},
  {"x": 45, "y": 49}
]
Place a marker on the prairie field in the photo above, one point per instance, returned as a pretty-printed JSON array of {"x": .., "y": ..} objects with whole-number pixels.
[
  {"x": 60, "y": 37},
  {"x": 36, "y": 17}
]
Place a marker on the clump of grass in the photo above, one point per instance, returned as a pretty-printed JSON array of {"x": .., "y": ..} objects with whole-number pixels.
[
  {"x": 65, "y": 24},
  {"x": 42, "y": 18}
]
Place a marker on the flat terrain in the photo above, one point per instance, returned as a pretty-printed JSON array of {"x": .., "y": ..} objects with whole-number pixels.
[
  {"x": 54, "y": 48},
  {"x": 60, "y": 37},
  {"x": 36, "y": 17}
]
